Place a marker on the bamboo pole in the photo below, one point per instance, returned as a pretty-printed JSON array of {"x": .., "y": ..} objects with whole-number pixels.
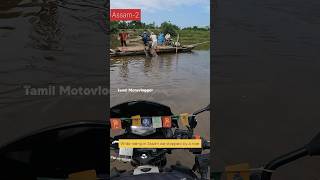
[{"x": 177, "y": 43}]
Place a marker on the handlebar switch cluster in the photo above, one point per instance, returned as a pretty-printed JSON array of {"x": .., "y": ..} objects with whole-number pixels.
[{"x": 182, "y": 134}]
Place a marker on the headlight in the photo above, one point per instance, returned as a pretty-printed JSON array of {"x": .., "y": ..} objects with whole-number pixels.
[{"x": 142, "y": 131}]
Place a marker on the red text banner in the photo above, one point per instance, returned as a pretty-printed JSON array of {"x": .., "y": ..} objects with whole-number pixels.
[{"x": 125, "y": 14}]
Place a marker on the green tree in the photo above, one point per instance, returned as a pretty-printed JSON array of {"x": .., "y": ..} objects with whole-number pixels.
[
  {"x": 170, "y": 28},
  {"x": 151, "y": 26},
  {"x": 114, "y": 27},
  {"x": 136, "y": 25},
  {"x": 123, "y": 25}
]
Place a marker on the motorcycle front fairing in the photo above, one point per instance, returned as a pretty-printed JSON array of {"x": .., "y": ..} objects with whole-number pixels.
[
  {"x": 144, "y": 109},
  {"x": 139, "y": 107}
]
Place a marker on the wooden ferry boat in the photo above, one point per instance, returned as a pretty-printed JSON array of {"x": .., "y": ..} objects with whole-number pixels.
[{"x": 141, "y": 50}]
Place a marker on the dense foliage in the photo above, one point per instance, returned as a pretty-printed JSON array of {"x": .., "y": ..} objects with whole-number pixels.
[
  {"x": 170, "y": 28},
  {"x": 116, "y": 25},
  {"x": 165, "y": 27},
  {"x": 197, "y": 28}
]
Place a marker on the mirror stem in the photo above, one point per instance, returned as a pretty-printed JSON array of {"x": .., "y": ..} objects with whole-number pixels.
[
  {"x": 207, "y": 108},
  {"x": 283, "y": 160}
]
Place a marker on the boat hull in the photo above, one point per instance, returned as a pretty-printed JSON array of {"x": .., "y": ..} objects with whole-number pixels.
[{"x": 183, "y": 49}]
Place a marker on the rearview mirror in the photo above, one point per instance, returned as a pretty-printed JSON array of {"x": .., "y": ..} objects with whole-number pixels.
[
  {"x": 207, "y": 108},
  {"x": 313, "y": 147},
  {"x": 192, "y": 120}
]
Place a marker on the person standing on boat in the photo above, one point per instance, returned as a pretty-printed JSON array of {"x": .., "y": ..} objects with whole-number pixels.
[
  {"x": 145, "y": 38},
  {"x": 168, "y": 38},
  {"x": 123, "y": 38},
  {"x": 161, "y": 39},
  {"x": 154, "y": 44}
]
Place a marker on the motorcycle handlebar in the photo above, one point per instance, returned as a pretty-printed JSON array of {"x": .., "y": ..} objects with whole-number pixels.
[{"x": 282, "y": 160}]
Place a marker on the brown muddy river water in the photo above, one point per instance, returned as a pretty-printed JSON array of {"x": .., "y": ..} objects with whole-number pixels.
[{"x": 181, "y": 81}]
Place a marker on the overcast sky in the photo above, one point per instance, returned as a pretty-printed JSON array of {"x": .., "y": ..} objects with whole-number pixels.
[{"x": 183, "y": 13}]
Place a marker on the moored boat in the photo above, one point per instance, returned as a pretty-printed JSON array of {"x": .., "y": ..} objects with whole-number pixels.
[{"x": 141, "y": 50}]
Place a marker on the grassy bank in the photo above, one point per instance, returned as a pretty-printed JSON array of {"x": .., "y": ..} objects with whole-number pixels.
[
  {"x": 187, "y": 37},
  {"x": 195, "y": 36}
]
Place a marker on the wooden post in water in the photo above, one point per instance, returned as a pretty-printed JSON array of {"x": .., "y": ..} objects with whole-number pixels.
[{"x": 177, "y": 43}]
